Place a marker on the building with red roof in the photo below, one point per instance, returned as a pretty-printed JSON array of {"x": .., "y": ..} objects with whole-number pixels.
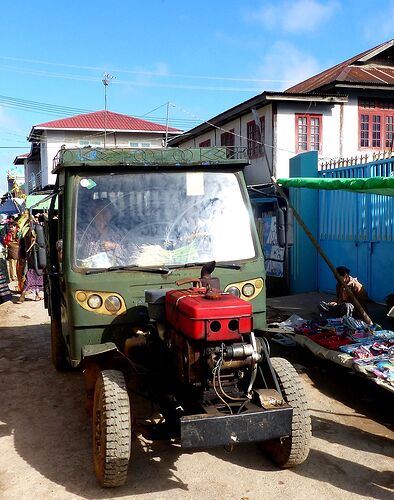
[{"x": 97, "y": 129}]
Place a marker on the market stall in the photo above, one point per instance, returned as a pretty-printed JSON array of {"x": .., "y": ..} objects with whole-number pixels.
[
  {"x": 352, "y": 343},
  {"x": 348, "y": 342}
]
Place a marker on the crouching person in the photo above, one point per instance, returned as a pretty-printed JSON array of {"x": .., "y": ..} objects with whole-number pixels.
[{"x": 344, "y": 303}]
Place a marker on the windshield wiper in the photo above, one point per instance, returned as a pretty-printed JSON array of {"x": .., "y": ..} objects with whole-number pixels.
[
  {"x": 158, "y": 270},
  {"x": 200, "y": 264}
]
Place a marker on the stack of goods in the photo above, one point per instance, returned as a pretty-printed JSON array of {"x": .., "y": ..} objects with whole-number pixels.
[
  {"x": 374, "y": 355},
  {"x": 372, "y": 350}
]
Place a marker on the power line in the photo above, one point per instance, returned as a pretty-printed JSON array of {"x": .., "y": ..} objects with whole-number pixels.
[
  {"x": 147, "y": 73},
  {"x": 131, "y": 83}
]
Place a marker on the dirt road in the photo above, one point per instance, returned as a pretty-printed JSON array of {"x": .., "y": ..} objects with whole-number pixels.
[{"x": 45, "y": 442}]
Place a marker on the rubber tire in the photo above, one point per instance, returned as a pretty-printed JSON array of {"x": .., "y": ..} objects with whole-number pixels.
[
  {"x": 111, "y": 429},
  {"x": 60, "y": 359},
  {"x": 293, "y": 450}
]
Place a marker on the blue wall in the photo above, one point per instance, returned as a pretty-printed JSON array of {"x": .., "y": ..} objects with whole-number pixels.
[{"x": 353, "y": 229}]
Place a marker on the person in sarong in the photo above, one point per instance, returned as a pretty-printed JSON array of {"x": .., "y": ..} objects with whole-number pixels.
[{"x": 34, "y": 281}]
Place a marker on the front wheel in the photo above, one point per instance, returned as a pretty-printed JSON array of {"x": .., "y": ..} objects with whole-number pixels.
[
  {"x": 111, "y": 429},
  {"x": 294, "y": 449}
]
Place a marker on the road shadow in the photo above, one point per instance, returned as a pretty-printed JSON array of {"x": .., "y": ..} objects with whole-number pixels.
[
  {"x": 351, "y": 436},
  {"x": 44, "y": 410},
  {"x": 346, "y": 475},
  {"x": 354, "y": 390}
]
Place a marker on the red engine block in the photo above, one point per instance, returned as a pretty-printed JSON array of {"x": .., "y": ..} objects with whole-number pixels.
[{"x": 211, "y": 316}]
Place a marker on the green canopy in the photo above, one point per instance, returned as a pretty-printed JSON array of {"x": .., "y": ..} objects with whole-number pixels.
[
  {"x": 371, "y": 185},
  {"x": 38, "y": 201}
]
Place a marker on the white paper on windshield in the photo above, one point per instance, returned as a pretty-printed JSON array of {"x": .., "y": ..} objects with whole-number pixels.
[{"x": 194, "y": 183}]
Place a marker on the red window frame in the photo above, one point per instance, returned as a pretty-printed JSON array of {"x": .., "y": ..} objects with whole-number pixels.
[
  {"x": 227, "y": 139},
  {"x": 255, "y": 150},
  {"x": 375, "y": 123},
  {"x": 205, "y": 144},
  {"x": 305, "y": 132}
]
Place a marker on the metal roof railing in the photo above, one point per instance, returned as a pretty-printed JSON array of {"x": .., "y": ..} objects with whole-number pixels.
[{"x": 151, "y": 156}]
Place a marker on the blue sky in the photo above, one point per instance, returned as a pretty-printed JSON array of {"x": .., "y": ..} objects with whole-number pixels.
[{"x": 201, "y": 56}]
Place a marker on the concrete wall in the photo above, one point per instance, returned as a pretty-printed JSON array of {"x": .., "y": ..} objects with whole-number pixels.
[
  {"x": 339, "y": 135},
  {"x": 258, "y": 171},
  {"x": 286, "y": 132}
]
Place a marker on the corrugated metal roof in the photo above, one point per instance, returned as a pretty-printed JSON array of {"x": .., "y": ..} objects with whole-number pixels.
[
  {"x": 363, "y": 68},
  {"x": 108, "y": 120},
  {"x": 19, "y": 159}
]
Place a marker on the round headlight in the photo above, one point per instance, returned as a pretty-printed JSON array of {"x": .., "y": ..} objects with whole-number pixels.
[
  {"x": 234, "y": 291},
  {"x": 112, "y": 304},
  {"x": 248, "y": 290},
  {"x": 95, "y": 301}
]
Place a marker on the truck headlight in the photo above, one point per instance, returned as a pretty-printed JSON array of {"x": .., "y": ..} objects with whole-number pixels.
[
  {"x": 101, "y": 302},
  {"x": 234, "y": 291},
  {"x": 95, "y": 301},
  {"x": 112, "y": 304},
  {"x": 248, "y": 290}
]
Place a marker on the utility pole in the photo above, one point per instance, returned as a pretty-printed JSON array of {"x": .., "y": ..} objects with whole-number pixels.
[
  {"x": 167, "y": 115},
  {"x": 106, "y": 79},
  {"x": 167, "y": 120}
]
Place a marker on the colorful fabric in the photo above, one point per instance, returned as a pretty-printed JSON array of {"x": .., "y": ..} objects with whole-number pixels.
[
  {"x": 33, "y": 282},
  {"x": 371, "y": 350},
  {"x": 5, "y": 293}
]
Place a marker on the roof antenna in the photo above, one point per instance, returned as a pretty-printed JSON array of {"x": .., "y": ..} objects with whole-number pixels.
[
  {"x": 106, "y": 79},
  {"x": 167, "y": 120}
]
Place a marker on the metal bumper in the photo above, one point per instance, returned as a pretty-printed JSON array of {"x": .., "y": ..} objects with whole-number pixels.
[{"x": 223, "y": 430}]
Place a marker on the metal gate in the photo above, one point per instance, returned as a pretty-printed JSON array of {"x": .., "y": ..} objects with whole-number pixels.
[{"x": 357, "y": 230}]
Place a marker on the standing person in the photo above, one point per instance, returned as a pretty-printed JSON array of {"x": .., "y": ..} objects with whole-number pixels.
[
  {"x": 344, "y": 304},
  {"x": 34, "y": 281},
  {"x": 5, "y": 293},
  {"x": 11, "y": 241}
]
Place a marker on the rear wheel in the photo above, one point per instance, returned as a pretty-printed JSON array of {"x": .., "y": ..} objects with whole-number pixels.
[
  {"x": 111, "y": 429},
  {"x": 59, "y": 352},
  {"x": 292, "y": 450}
]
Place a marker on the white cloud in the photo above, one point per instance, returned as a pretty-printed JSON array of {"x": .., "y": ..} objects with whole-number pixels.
[
  {"x": 288, "y": 16},
  {"x": 285, "y": 62}
]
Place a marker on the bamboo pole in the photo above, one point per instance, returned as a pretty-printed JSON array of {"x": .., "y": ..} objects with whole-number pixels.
[{"x": 338, "y": 277}]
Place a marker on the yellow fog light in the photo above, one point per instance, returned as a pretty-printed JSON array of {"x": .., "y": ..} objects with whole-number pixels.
[
  {"x": 95, "y": 301},
  {"x": 112, "y": 304},
  {"x": 259, "y": 283},
  {"x": 81, "y": 296},
  {"x": 248, "y": 290}
]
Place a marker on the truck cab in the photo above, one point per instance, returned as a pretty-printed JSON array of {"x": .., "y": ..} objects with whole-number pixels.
[{"x": 130, "y": 220}]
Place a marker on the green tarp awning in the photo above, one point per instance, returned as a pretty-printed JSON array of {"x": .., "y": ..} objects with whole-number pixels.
[
  {"x": 33, "y": 199},
  {"x": 372, "y": 185}
]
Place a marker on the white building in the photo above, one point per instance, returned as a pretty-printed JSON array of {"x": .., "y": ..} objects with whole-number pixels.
[
  {"x": 98, "y": 129},
  {"x": 345, "y": 111}
]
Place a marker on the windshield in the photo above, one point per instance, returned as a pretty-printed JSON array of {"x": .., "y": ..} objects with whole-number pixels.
[{"x": 156, "y": 219}]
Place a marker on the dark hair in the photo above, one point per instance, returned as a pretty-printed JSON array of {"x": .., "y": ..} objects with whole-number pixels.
[{"x": 342, "y": 270}]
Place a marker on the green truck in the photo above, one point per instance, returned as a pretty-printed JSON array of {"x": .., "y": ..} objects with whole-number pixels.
[{"x": 132, "y": 228}]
